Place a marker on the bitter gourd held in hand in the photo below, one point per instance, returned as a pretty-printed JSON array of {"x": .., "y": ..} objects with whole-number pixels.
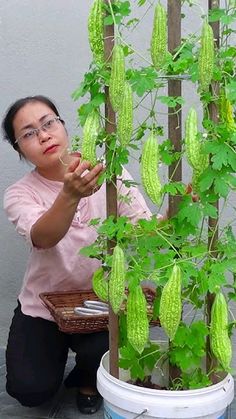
[{"x": 90, "y": 134}]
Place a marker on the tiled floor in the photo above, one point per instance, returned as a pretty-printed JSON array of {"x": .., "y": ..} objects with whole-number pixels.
[{"x": 63, "y": 405}]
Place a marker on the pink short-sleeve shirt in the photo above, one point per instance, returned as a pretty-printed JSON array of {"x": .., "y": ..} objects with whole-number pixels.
[{"x": 61, "y": 267}]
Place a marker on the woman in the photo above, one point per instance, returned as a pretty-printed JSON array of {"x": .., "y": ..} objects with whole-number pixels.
[{"x": 51, "y": 208}]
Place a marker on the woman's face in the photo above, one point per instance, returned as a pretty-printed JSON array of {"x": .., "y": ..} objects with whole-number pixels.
[{"x": 45, "y": 146}]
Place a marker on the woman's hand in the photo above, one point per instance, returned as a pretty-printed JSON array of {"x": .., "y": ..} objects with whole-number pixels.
[{"x": 80, "y": 179}]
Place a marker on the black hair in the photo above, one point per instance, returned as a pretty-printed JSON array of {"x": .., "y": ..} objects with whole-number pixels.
[{"x": 7, "y": 123}]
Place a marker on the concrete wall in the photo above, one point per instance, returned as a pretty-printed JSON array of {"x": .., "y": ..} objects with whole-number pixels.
[{"x": 44, "y": 50}]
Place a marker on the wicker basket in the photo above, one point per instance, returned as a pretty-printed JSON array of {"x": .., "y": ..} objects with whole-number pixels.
[{"x": 61, "y": 306}]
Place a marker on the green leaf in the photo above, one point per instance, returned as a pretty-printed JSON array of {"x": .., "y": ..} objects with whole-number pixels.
[
  {"x": 137, "y": 371},
  {"x": 195, "y": 250},
  {"x": 216, "y": 14},
  {"x": 127, "y": 352},
  {"x": 208, "y": 179},
  {"x": 150, "y": 356},
  {"x": 232, "y": 296},
  {"x": 130, "y": 359},
  {"x": 215, "y": 281},
  {"x": 196, "y": 379},
  {"x": 83, "y": 112},
  {"x": 174, "y": 188},
  {"x": 125, "y": 8},
  {"x": 227, "y": 19},
  {"x": 199, "y": 331},
  {"x": 171, "y": 101},
  {"x": 216, "y": 277},
  {"x": 222, "y": 155},
  {"x": 221, "y": 187},
  {"x": 189, "y": 345},
  {"x": 220, "y": 159},
  {"x": 80, "y": 92},
  {"x": 139, "y": 365},
  {"x": 94, "y": 221},
  {"x": 91, "y": 83},
  {"x": 120, "y": 9},
  {"x": 203, "y": 282},
  {"x": 232, "y": 159},
  {"x": 131, "y": 22},
  {"x": 92, "y": 251},
  {"x": 229, "y": 52},
  {"x": 191, "y": 212},
  {"x": 141, "y": 2},
  {"x": 231, "y": 88},
  {"x": 184, "y": 358},
  {"x": 115, "y": 228},
  {"x": 142, "y": 80},
  {"x": 183, "y": 333},
  {"x": 98, "y": 99},
  {"x": 167, "y": 153},
  {"x": 210, "y": 210}
]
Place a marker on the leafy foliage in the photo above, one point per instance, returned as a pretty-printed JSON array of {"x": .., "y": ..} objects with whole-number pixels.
[{"x": 153, "y": 246}]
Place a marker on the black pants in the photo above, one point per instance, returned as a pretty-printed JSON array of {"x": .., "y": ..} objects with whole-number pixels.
[{"x": 36, "y": 356}]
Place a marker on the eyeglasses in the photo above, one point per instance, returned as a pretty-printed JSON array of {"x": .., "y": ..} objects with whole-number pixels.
[{"x": 49, "y": 126}]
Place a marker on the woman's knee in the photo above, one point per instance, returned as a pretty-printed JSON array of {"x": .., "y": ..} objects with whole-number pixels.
[
  {"x": 30, "y": 398},
  {"x": 32, "y": 390},
  {"x": 35, "y": 359}
]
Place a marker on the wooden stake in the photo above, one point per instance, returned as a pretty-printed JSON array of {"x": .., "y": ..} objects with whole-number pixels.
[
  {"x": 174, "y": 89},
  {"x": 111, "y": 199},
  {"x": 174, "y": 120},
  {"x": 212, "y": 222}
]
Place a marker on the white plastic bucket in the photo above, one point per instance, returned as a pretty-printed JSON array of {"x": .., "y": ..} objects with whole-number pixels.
[{"x": 127, "y": 401}]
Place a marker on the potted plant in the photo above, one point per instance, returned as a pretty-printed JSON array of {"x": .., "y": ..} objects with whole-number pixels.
[{"x": 188, "y": 259}]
